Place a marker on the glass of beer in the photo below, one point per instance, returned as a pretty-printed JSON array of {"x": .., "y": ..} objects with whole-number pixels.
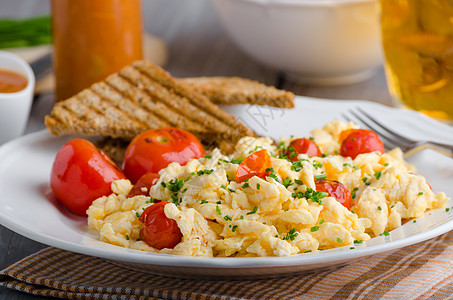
[{"x": 417, "y": 37}]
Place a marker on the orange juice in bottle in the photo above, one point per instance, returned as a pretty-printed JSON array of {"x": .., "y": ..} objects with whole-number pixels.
[{"x": 93, "y": 39}]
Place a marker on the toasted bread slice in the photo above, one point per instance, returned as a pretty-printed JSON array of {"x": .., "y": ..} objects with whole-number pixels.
[
  {"x": 143, "y": 96},
  {"x": 236, "y": 90}
]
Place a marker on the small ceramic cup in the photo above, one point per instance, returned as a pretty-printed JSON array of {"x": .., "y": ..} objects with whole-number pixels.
[{"x": 15, "y": 107}]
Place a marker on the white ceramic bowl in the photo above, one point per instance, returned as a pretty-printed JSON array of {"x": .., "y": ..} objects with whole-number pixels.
[
  {"x": 15, "y": 107},
  {"x": 313, "y": 41}
]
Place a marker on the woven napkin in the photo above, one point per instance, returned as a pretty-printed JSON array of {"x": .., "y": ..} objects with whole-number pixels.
[{"x": 419, "y": 271}]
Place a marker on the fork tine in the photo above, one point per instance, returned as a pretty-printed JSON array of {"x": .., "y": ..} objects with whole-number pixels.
[
  {"x": 386, "y": 128},
  {"x": 384, "y": 135}
]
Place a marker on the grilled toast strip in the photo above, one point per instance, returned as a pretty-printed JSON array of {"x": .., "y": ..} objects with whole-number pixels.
[
  {"x": 165, "y": 79},
  {"x": 141, "y": 97},
  {"x": 236, "y": 90}
]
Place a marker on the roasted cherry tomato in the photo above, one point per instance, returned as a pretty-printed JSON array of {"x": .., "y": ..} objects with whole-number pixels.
[
  {"x": 304, "y": 146},
  {"x": 159, "y": 231},
  {"x": 335, "y": 189},
  {"x": 144, "y": 183},
  {"x": 254, "y": 165},
  {"x": 359, "y": 141},
  {"x": 155, "y": 149},
  {"x": 81, "y": 173}
]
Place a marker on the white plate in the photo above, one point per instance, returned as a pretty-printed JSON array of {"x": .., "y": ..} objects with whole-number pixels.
[{"x": 28, "y": 207}]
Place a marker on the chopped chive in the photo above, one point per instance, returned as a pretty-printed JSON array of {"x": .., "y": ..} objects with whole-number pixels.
[
  {"x": 314, "y": 228},
  {"x": 204, "y": 201},
  {"x": 322, "y": 176},
  {"x": 377, "y": 175},
  {"x": 217, "y": 208},
  {"x": 237, "y": 160},
  {"x": 339, "y": 240},
  {"x": 291, "y": 235},
  {"x": 258, "y": 186},
  {"x": 227, "y": 218},
  {"x": 287, "y": 182},
  {"x": 379, "y": 207},
  {"x": 253, "y": 211}
]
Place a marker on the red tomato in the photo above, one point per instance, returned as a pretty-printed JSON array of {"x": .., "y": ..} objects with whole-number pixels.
[
  {"x": 159, "y": 231},
  {"x": 335, "y": 189},
  {"x": 358, "y": 141},
  {"x": 254, "y": 165},
  {"x": 81, "y": 173},
  {"x": 155, "y": 149},
  {"x": 304, "y": 146},
  {"x": 146, "y": 181}
]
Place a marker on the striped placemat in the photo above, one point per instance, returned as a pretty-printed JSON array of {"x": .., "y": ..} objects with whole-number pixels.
[{"x": 421, "y": 271}]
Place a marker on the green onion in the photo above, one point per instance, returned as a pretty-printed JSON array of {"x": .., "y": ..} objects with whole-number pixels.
[
  {"x": 25, "y": 32},
  {"x": 377, "y": 175},
  {"x": 291, "y": 235},
  {"x": 322, "y": 176},
  {"x": 253, "y": 211},
  {"x": 314, "y": 228}
]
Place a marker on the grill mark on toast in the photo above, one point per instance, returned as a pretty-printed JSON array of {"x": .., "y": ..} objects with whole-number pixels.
[
  {"x": 181, "y": 105},
  {"x": 165, "y": 79},
  {"x": 131, "y": 90},
  {"x": 126, "y": 105}
]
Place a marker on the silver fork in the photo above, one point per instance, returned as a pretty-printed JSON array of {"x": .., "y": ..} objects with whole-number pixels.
[{"x": 392, "y": 139}]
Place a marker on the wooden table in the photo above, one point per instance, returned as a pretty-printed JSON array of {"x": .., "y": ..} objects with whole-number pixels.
[{"x": 197, "y": 46}]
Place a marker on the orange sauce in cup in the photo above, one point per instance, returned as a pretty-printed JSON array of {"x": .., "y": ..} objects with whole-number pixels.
[
  {"x": 93, "y": 39},
  {"x": 11, "y": 82}
]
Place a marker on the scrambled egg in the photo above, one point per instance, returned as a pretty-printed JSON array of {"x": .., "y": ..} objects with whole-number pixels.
[{"x": 276, "y": 216}]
